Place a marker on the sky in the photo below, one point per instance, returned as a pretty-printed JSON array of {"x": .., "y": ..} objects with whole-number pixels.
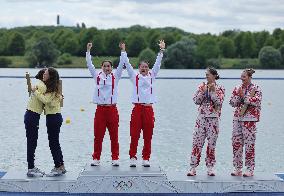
[{"x": 196, "y": 16}]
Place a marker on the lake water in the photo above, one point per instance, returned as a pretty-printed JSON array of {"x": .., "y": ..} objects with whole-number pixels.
[{"x": 175, "y": 117}]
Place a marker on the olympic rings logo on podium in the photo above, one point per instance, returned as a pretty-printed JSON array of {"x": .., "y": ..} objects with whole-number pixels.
[{"x": 122, "y": 185}]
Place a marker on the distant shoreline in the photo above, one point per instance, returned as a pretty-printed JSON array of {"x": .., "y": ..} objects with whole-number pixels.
[{"x": 80, "y": 62}]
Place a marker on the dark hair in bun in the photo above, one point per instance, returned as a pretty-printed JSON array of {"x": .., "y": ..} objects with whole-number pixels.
[
  {"x": 214, "y": 72},
  {"x": 249, "y": 71},
  {"x": 40, "y": 73}
]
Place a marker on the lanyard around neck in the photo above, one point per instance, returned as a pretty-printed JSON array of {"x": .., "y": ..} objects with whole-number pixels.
[{"x": 207, "y": 95}]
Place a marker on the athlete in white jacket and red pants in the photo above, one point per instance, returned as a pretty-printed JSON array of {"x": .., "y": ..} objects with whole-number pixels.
[
  {"x": 246, "y": 99},
  {"x": 105, "y": 96},
  {"x": 143, "y": 96},
  {"x": 209, "y": 97}
]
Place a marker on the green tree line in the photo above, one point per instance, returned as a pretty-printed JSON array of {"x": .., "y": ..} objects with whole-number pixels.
[{"x": 46, "y": 45}]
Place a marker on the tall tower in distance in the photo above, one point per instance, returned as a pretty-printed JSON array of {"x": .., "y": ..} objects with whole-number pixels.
[{"x": 58, "y": 20}]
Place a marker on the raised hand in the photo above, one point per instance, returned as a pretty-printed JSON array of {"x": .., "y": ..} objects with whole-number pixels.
[
  {"x": 122, "y": 46},
  {"x": 34, "y": 88},
  {"x": 89, "y": 46},
  {"x": 241, "y": 93},
  {"x": 212, "y": 87},
  {"x": 204, "y": 87},
  {"x": 162, "y": 44}
]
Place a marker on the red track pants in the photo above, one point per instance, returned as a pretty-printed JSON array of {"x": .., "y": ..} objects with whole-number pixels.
[
  {"x": 106, "y": 117},
  {"x": 142, "y": 118}
]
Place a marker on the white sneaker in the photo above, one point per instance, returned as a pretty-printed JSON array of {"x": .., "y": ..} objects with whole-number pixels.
[
  {"x": 248, "y": 173},
  {"x": 192, "y": 172},
  {"x": 133, "y": 162},
  {"x": 146, "y": 163},
  {"x": 115, "y": 163},
  {"x": 55, "y": 172},
  {"x": 62, "y": 167},
  {"x": 35, "y": 172},
  {"x": 210, "y": 171},
  {"x": 95, "y": 162},
  {"x": 237, "y": 172}
]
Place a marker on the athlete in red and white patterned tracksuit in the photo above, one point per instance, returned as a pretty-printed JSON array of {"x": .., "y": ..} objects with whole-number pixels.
[
  {"x": 209, "y": 97},
  {"x": 244, "y": 125}
]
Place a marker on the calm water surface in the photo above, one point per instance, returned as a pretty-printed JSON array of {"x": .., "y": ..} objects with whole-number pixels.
[{"x": 175, "y": 117}]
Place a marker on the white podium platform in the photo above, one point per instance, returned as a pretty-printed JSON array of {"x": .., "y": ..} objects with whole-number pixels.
[
  {"x": 17, "y": 181},
  {"x": 123, "y": 179},
  {"x": 223, "y": 183}
]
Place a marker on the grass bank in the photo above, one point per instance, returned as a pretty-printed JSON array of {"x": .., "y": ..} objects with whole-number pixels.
[
  {"x": 77, "y": 62},
  {"x": 80, "y": 62}
]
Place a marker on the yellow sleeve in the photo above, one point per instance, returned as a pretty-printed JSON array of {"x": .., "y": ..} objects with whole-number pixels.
[
  {"x": 41, "y": 87},
  {"x": 44, "y": 98}
]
